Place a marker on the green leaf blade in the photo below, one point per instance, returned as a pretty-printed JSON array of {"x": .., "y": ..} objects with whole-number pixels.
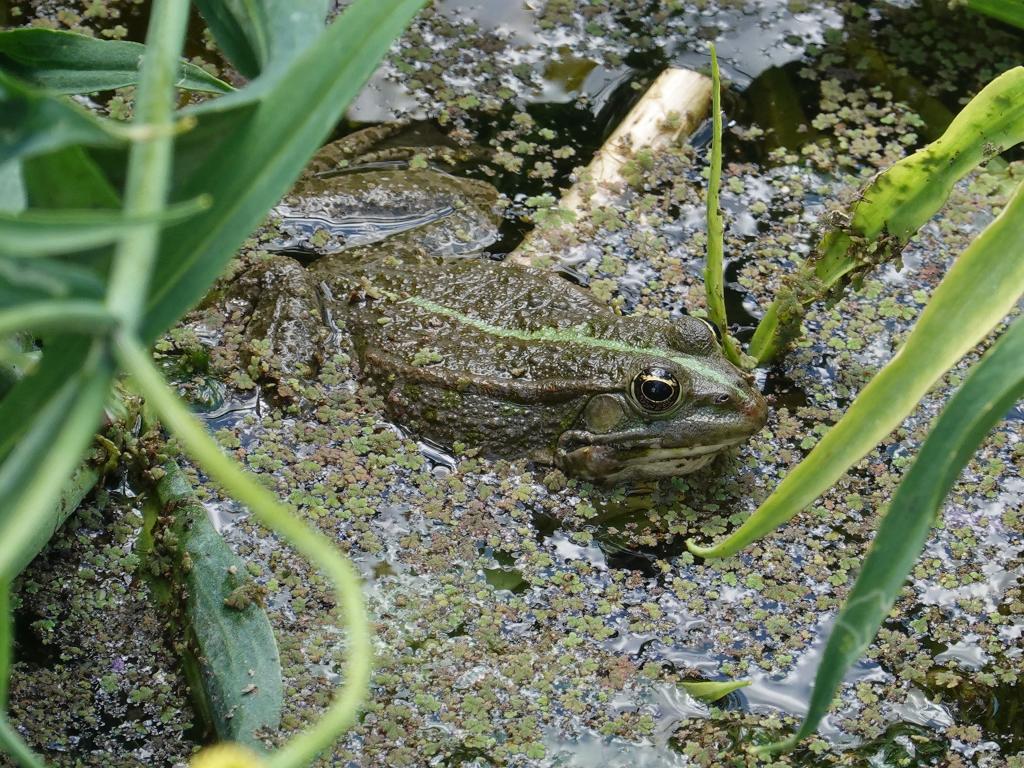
[
  {"x": 979, "y": 290},
  {"x": 1007, "y": 11},
  {"x": 237, "y": 30},
  {"x": 713, "y": 690},
  {"x": 236, "y": 656},
  {"x": 259, "y": 162},
  {"x": 714, "y": 281},
  {"x": 69, "y": 63},
  {"x": 51, "y": 316},
  {"x": 894, "y": 206},
  {"x": 68, "y": 178},
  {"x": 261, "y": 35},
  {"x": 33, "y": 122},
  {"x": 988, "y": 392},
  {"x": 30, "y": 395},
  {"x": 50, "y": 445},
  {"x": 48, "y": 233}
]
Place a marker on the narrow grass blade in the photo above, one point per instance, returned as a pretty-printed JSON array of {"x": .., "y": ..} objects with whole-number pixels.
[
  {"x": 894, "y": 206},
  {"x": 257, "y": 35},
  {"x": 33, "y": 122},
  {"x": 50, "y": 316},
  {"x": 66, "y": 62},
  {"x": 47, "y": 233},
  {"x": 988, "y": 392},
  {"x": 978, "y": 291},
  {"x": 1008, "y": 11},
  {"x": 714, "y": 282},
  {"x": 254, "y": 167}
]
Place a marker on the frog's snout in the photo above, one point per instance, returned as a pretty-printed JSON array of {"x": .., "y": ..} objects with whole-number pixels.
[{"x": 755, "y": 408}]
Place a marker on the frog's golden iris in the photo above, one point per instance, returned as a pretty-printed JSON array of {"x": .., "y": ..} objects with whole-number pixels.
[{"x": 656, "y": 390}]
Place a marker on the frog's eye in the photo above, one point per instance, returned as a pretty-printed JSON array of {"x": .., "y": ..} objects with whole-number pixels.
[
  {"x": 713, "y": 328},
  {"x": 656, "y": 389}
]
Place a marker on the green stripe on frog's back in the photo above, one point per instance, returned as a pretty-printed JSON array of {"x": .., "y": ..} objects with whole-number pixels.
[{"x": 569, "y": 336}]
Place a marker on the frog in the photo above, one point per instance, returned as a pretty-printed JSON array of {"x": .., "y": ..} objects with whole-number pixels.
[{"x": 466, "y": 350}]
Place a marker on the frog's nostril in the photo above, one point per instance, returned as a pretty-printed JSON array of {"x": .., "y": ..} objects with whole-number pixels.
[{"x": 757, "y": 408}]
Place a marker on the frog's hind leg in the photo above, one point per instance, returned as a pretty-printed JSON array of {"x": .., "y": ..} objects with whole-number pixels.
[
  {"x": 346, "y": 270},
  {"x": 350, "y": 149}
]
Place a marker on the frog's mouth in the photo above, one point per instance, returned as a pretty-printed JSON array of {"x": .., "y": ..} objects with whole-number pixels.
[{"x": 643, "y": 460}]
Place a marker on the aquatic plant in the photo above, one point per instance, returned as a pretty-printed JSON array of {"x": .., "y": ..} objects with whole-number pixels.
[
  {"x": 892, "y": 207},
  {"x": 989, "y": 391},
  {"x": 714, "y": 281},
  {"x": 112, "y": 231},
  {"x": 185, "y": 256},
  {"x": 1009, "y": 11},
  {"x": 981, "y": 288}
]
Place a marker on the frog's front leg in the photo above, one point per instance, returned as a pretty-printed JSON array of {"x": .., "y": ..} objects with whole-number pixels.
[{"x": 285, "y": 335}]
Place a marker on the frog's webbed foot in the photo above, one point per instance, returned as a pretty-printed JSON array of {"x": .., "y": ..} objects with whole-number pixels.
[{"x": 284, "y": 333}]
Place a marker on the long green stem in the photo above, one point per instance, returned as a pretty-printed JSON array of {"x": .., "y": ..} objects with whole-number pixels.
[
  {"x": 6, "y": 640},
  {"x": 10, "y": 741},
  {"x": 44, "y": 316},
  {"x": 149, "y": 162},
  {"x": 244, "y": 487},
  {"x": 714, "y": 281},
  {"x": 14, "y": 745},
  {"x": 59, "y": 438}
]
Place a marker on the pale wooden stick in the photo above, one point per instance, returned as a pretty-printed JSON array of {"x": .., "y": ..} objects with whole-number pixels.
[{"x": 673, "y": 106}]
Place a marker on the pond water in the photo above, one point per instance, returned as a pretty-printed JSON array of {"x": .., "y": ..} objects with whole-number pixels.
[{"x": 524, "y": 619}]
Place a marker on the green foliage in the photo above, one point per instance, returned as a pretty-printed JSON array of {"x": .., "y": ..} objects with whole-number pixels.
[
  {"x": 157, "y": 209},
  {"x": 35, "y": 122},
  {"x": 234, "y": 655},
  {"x": 988, "y": 392},
  {"x": 979, "y": 290},
  {"x": 714, "y": 282},
  {"x": 246, "y": 155},
  {"x": 259, "y": 36},
  {"x": 714, "y": 690},
  {"x": 47, "y": 233},
  {"x": 65, "y": 62},
  {"x": 1008, "y": 11},
  {"x": 894, "y": 206}
]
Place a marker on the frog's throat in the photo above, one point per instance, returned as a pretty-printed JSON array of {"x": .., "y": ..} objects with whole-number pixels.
[{"x": 570, "y": 336}]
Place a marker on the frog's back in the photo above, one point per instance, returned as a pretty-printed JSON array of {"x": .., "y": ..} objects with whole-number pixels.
[{"x": 478, "y": 318}]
